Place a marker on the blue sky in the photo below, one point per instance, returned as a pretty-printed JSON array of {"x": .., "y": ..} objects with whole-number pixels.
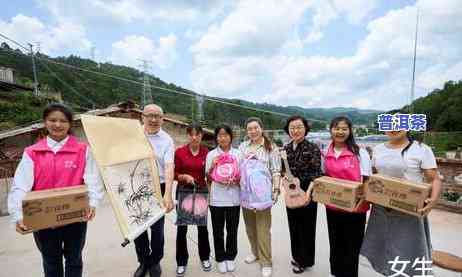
[{"x": 311, "y": 53}]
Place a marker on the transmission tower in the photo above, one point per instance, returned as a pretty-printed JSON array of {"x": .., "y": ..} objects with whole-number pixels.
[{"x": 147, "y": 95}]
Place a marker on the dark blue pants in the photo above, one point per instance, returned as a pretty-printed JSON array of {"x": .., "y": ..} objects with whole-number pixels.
[
  {"x": 68, "y": 242},
  {"x": 151, "y": 252}
]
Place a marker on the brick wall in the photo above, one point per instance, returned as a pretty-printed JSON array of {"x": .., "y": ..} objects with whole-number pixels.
[{"x": 450, "y": 168}]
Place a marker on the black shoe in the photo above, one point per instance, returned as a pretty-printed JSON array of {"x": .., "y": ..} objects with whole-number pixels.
[
  {"x": 206, "y": 265},
  {"x": 141, "y": 270},
  {"x": 298, "y": 269},
  {"x": 155, "y": 270}
]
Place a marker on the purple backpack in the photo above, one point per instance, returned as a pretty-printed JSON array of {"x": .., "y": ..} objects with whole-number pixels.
[{"x": 256, "y": 185}]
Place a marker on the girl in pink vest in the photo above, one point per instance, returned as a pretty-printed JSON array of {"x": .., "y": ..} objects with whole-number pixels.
[
  {"x": 345, "y": 160},
  {"x": 59, "y": 160}
]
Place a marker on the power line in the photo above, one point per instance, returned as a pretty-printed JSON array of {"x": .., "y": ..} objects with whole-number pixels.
[
  {"x": 81, "y": 80},
  {"x": 15, "y": 42},
  {"x": 208, "y": 98},
  {"x": 67, "y": 85},
  {"x": 167, "y": 89}
]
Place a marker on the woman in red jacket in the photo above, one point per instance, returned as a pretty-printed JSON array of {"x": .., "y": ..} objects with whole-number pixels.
[{"x": 190, "y": 169}]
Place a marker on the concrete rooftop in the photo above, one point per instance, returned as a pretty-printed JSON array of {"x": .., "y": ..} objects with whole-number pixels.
[{"x": 104, "y": 257}]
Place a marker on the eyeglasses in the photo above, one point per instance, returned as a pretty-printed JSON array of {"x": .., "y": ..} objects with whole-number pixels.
[
  {"x": 153, "y": 116},
  {"x": 296, "y": 128}
]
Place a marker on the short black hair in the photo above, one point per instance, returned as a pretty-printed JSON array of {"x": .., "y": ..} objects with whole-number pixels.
[
  {"x": 297, "y": 117},
  {"x": 53, "y": 107},
  {"x": 194, "y": 127},
  {"x": 224, "y": 127}
]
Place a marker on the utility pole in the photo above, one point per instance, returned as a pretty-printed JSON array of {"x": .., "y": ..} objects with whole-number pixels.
[
  {"x": 147, "y": 96},
  {"x": 411, "y": 110},
  {"x": 200, "y": 109},
  {"x": 92, "y": 53},
  {"x": 36, "y": 92}
]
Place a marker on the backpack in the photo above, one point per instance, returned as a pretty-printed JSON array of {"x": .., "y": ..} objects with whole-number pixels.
[
  {"x": 227, "y": 169},
  {"x": 256, "y": 185}
]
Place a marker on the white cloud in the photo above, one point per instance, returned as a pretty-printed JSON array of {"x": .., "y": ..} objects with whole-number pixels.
[
  {"x": 131, "y": 11},
  {"x": 325, "y": 12},
  {"x": 64, "y": 37},
  {"x": 131, "y": 49},
  {"x": 229, "y": 56},
  {"x": 243, "y": 54},
  {"x": 192, "y": 34},
  {"x": 253, "y": 28}
]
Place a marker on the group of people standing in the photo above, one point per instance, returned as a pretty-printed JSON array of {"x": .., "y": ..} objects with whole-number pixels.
[{"x": 388, "y": 234}]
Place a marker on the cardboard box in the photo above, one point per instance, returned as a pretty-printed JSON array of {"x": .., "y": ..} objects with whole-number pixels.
[
  {"x": 398, "y": 194},
  {"x": 55, "y": 207},
  {"x": 339, "y": 193}
]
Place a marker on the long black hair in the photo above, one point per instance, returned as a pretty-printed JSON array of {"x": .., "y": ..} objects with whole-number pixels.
[
  {"x": 58, "y": 107},
  {"x": 411, "y": 141},
  {"x": 350, "y": 141}
]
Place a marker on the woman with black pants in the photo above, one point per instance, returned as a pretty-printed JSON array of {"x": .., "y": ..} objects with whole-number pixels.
[
  {"x": 189, "y": 170},
  {"x": 224, "y": 202},
  {"x": 304, "y": 158}
]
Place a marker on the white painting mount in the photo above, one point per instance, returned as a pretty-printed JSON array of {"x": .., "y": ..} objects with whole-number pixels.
[{"x": 130, "y": 174}]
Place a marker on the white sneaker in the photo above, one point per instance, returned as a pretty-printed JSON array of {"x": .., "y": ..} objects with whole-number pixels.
[
  {"x": 222, "y": 267},
  {"x": 250, "y": 259},
  {"x": 266, "y": 271},
  {"x": 230, "y": 266},
  {"x": 180, "y": 270}
]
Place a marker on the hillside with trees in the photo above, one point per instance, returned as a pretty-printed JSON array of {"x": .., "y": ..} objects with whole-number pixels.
[{"x": 87, "y": 90}]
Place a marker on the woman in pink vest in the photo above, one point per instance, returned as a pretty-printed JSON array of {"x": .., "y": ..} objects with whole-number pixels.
[
  {"x": 345, "y": 160},
  {"x": 59, "y": 160}
]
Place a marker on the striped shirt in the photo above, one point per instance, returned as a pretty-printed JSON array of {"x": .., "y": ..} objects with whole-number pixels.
[{"x": 271, "y": 159}]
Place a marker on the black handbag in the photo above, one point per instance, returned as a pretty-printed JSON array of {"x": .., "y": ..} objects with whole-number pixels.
[{"x": 192, "y": 205}]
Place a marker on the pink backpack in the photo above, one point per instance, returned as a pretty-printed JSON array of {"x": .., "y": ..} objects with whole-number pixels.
[
  {"x": 256, "y": 185},
  {"x": 227, "y": 169}
]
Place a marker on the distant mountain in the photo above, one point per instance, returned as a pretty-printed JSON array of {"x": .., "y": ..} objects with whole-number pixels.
[{"x": 89, "y": 90}]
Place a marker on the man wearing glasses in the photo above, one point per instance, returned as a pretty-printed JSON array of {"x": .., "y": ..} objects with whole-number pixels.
[{"x": 150, "y": 253}]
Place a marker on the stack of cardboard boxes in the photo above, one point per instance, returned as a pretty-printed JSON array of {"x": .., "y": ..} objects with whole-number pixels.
[{"x": 394, "y": 193}]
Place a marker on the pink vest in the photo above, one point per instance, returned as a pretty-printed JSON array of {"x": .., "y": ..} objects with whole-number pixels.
[
  {"x": 63, "y": 169},
  {"x": 347, "y": 167}
]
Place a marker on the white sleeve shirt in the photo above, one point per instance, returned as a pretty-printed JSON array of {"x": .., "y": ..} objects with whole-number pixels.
[
  {"x": 24, "y": 180},
  {"x": 365, "y": 162},
  {"x": 164, "y": 150}
]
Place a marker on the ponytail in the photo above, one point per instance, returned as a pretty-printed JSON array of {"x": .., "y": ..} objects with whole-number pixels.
[
  {"x": 411, "y": 141},
  {"x": 268, "y": 143}
]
